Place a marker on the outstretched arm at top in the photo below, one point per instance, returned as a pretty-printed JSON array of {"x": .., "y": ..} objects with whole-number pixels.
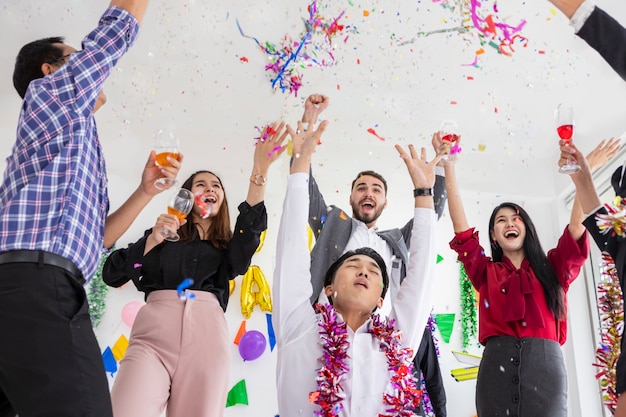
[{"x": 135, "y": 7}]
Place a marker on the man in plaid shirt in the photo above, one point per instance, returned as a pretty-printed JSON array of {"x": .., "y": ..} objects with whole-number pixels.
[{"x": 53, "y": 207}]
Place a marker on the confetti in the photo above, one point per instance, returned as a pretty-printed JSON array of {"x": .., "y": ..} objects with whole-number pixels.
[{"x": 373, "y": 132}]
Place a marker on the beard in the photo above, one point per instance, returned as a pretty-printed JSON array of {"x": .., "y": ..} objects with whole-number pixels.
[{"x": 366, "y": 218}]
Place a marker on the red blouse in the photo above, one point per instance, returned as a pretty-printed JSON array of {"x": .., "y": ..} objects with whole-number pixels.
[{"x": 512, "y": 301}]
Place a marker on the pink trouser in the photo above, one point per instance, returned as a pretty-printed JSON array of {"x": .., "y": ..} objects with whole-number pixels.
[{"x": 178, "y": 356}]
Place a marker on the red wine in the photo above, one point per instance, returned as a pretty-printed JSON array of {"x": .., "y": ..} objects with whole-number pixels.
[
  {"x": 565, "y": 132},
  {"x": 450, "y": 137}
]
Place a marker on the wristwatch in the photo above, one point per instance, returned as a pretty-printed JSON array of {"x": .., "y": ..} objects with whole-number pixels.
[
  {"x": 421, "y": 192},
  {"x": 258, "y": 179}
]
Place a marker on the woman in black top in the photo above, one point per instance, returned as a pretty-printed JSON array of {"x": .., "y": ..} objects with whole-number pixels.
[{"x": 178, "y": 354}]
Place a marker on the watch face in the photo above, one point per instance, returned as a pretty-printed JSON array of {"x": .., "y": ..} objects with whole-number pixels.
[{"x": 258, "y": 180}]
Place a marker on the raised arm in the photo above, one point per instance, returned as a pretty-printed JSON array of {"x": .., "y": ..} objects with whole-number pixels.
[
  {"x": 292, "y": 275},
  {"x": 266, "y": 151},
  {"x": 599, "y": 156},
  {"x": 119, "y": 221},
  {"x": 314, "y": 105},
  {"x": 412, "y": 304},
  {"x": 455, "y": 203},
  {"x": 585, "y": 190},
  {"x": 135, "y": 7}
]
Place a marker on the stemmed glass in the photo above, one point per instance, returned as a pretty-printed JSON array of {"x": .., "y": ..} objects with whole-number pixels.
[
  {"x": 166, "y": 144},
  {"x": 449, "y": 132},
  {"x": 564, "y": 118},
  {"x": 180, "y": 206}
]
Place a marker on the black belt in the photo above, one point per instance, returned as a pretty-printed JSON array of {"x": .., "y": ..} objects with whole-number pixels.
[{"x": 43, "y": 258}]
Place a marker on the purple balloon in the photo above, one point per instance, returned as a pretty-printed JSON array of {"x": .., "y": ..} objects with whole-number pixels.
[{"x": 252, "y": 345}]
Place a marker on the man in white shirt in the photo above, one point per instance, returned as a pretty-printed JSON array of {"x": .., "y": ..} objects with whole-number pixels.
[{"x": 355, "y": 288}]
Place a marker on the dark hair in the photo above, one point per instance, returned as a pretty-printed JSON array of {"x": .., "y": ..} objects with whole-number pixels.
[
  {"x": 618, "y": 183},
  {"x": 371, "y": 174},
  {"x": 30, "y": 59},
  {"x": 219, "y": 232},
  {"x": 537, "y": 258},
  {"x": 332, "y": 270}
]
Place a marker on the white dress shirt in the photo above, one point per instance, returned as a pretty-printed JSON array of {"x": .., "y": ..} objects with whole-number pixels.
[
  {"x": 581, "y": 15},
  {"x": 296, "y": 324}
]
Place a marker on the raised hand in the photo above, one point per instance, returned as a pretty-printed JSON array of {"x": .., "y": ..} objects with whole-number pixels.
[
  {"x": 601, "y": 154},
  {"x": 270, "y": 147},
  {"x": 304, "y": 144},
  {"x": 422, "y": 171},
  {"x": 152, "y": 172},
  {"x": 314, "y": 105}
]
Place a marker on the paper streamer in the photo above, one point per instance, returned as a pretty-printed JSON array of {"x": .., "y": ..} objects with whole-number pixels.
[{"x": 271, "y": 337}]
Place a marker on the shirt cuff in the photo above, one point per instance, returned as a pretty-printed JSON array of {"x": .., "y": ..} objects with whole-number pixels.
[
  {"x": 298, "y": 179},
  {"x": 593, "y": 212},
  {"x": 440, "y": 171},
  {"x": 581, "y": 15}
]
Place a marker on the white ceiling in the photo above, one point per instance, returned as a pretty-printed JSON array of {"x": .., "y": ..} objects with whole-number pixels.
[{"x": 185, "y": 74}]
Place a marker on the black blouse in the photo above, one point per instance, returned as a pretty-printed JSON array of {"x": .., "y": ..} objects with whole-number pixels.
[{"x": 168, "y": 264}]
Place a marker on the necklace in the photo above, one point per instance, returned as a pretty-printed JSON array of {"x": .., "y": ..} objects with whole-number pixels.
[{"x": 334, "y": 340}]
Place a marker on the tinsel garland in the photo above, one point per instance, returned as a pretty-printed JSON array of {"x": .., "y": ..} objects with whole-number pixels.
[
  {"x": 611, "y": 305},
  {"x": 97, "y": 292},
  {"x": 329, "y": 395},
  {"x": 469, "y": 324},
  {"x": 615, "y": 219}
]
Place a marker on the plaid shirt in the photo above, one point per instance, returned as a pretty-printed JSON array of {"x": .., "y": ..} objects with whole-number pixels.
[{"x": 53, "y": 195}]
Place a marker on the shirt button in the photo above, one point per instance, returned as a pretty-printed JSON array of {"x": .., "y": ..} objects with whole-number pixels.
[
  {"x": 515, "y": 399},
  {"x": 516, "y": 379},
  {"x": 515, "y": 361}
]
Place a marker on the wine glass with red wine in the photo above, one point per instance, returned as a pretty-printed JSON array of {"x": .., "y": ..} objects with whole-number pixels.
[{"x": 564, "y": 118}]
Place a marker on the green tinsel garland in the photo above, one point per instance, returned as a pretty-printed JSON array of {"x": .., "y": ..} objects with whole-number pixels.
[
  {"x": 97, "y": 292},
  {"x": 469, "y": 324}
]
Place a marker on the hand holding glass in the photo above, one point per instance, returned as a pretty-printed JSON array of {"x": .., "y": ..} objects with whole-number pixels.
[
  {"x": 564, "y": 118},
  {"x": 166, "y": 145},
  {"x": 449, "y": 133},
  {"x": 180, "y": 206}
]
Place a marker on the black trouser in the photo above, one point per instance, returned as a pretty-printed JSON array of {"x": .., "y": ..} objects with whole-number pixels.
[
  {"x": 6, "y": 409},
  {"x": 50, "y": 361}
]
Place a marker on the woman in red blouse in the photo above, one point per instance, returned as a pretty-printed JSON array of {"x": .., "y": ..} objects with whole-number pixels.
[{"x": 523, "y": 306}]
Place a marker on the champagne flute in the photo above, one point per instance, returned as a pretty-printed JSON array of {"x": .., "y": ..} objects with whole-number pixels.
[
  {"x": 449, "y": 132},
  {"x": 564, "y": 118},
  {"x": 166, "y": 145},
  {"x": 180, "y": 206}
]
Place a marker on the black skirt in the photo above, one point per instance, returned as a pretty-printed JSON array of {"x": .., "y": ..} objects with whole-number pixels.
[{"x": 521, "y": 378}]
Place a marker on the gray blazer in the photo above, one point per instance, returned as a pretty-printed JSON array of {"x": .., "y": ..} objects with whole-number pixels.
[{"x": 332, "y": 228}]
